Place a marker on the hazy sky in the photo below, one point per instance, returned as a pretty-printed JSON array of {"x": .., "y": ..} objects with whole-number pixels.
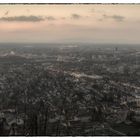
[{"x": 92, "y": 23}]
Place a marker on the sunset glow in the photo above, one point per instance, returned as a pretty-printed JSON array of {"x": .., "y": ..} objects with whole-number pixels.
[{"x": 102, "y": 23}]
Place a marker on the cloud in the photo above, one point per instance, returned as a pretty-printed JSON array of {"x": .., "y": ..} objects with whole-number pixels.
[
  {"x": 23, "y": 19},
  {"x": 63, "y": 18},
  {"x": 115, "y": 17},
  {"x": 118, "y": 18},
  {"x": 6, "y": 13},
  {"x": 75, "y": 16},
  {"x": 50, "y": 18}
]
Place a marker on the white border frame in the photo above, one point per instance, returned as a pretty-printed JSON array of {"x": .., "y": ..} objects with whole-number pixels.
[{"x": 69, "y": 1}]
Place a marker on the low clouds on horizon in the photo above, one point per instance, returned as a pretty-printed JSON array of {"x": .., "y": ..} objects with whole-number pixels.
[
  {"x": 33, "y": 18},
  {"x": 23, "y": 18},
  {"x": 115, "y": 17},
  {"x": 76, "y": 16}
]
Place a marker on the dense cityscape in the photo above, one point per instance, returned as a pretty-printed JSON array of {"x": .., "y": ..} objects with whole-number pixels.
[{"x": 69, "y": 89}]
